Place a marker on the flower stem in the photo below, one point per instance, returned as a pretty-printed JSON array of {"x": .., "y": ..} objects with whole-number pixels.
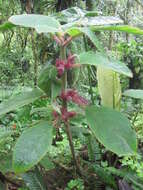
[{"x": 67, "y": 125}]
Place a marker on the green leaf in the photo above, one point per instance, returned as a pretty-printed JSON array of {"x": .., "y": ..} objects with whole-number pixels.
[
  {"x": 32, "y": 146},
  {"x": 20, "y": 100},
  {"x": 74, "y": 31},
  {"x": 89, "y": 33},
  {"x": 46, "y": 29},
  {"x": 41, "y": 23},
  {"x": 138, "y": 94},
  {"x": 112, "y": 129},
  {"x": 47, "y": 75},
  {"x": 99, "y": 59},
  {"x": 100, "y": 20},
  {"x": 34, "y": 180},
  {"x": 55, "y": 89},
  {"x": 6, "y": 26},
  {"x": 123, "y": 28},
  {"x": 47, "y": 163}
]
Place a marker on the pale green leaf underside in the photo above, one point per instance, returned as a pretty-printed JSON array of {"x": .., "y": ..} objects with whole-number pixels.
[
  {"x": 99, "y": 59},
  {"x": 112, "y": 129},
  {"x": 32, "y": 146},
  {"x": 100, "y": 20},
  {"x": 133, "y": 93},
  {"x": 109, "y": 88},
  {"x": 41, "y": 23},
  {"x": 20, "y": 100}
]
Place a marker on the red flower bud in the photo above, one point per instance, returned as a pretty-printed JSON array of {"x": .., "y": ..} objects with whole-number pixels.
[
  {"x": 55, "y": 114},
  {"x": 79, "y": 100},
  {"x": 71, "y": 114},
  {"x": 70, "y": 62},
  {"x": 67, "y": 115},
  {"x": 72, "y": 95},
  {"x": 60, "y": 65}
]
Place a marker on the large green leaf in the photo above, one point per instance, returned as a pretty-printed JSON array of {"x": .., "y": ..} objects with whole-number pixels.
[
  {"x": 99, "y": 59},
  {"x": 122, "y": 28},
  {"x": 41, "y": 23},
  {"x": 32, "y": 146},
  {"x": 20, "y": 100},
  {"x": 112, "y": 129},
  {"x": 133, "y": 93}
]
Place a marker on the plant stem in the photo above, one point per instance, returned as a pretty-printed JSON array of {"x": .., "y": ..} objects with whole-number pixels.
[{"x": 67, "y": 126}]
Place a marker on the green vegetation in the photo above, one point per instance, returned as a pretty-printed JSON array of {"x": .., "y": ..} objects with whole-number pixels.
[{"x": 71, "y": 114}]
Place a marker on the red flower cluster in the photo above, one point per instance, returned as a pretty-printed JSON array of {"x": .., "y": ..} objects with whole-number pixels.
[
  {"x": 65, "y": 115},
  {"x": 62, "y": 65},
  {"x": 72, "y": 95}
]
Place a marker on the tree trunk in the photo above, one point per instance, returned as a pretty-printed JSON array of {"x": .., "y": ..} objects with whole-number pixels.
[
  {"x": 64, "y": 4},
  {"x": 89, "y": 5}
]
